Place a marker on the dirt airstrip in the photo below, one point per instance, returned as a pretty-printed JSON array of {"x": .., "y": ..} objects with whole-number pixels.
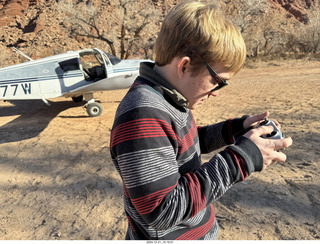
[{"x": 57, "y": 180}]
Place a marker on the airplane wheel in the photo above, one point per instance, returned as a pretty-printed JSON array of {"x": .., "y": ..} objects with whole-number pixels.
[
  {"x": 94, "y": 109},
  {"x": 77, "y": 99}
]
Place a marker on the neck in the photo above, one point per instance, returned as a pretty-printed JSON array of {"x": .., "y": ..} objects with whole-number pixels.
[
  {"x": 168, "y": 72},
  {"x": 162, "y": 70}
]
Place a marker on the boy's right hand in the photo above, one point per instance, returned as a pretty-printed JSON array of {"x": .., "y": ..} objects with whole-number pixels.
[{"x": 270, "y": 148}]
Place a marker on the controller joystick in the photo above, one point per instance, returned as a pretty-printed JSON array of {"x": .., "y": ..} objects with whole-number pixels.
[{"x": 275, "y": 134}]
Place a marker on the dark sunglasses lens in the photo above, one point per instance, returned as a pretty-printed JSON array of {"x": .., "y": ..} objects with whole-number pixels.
[{"x": 214, "y": 75}]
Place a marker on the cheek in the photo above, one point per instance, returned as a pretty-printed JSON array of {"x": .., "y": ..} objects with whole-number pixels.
[
  {"x": 205, "y": 85},
  {"x": 199, "y": 86},
  {"x": 201, "y": 90}
]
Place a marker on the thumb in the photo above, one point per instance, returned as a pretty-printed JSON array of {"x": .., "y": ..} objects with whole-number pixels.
[
  {"x": 264, "y": 130},
  {"x": 250, "y": 121}
]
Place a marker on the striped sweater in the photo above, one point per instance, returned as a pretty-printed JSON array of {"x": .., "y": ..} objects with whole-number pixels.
[{"x": 156, "y": 147}]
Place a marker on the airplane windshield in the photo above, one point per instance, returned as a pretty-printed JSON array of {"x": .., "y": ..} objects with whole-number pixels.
[
  {"x": 93, "y": 66},
  {"x": 98, "y": 57},
  {"x": 114, "y": 60}
]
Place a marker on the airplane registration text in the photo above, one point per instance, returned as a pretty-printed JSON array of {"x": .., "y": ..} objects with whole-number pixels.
[{"x": 12, "y": 89}]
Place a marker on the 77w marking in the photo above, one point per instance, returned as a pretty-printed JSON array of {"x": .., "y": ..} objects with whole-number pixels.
[{"x": 12, "y": 89}]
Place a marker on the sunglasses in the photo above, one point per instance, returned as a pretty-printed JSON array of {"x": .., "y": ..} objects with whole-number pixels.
[{"x": 221, "y": 82}]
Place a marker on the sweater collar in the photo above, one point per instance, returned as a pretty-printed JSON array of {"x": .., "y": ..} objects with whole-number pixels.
[{"x": 147, "y": 72}]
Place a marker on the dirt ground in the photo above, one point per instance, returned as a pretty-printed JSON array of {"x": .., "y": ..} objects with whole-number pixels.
[{"x": 57, "y": 180}]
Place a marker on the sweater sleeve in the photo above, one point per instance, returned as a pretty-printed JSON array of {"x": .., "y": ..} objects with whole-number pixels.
[{"x": 213, "y": 137}]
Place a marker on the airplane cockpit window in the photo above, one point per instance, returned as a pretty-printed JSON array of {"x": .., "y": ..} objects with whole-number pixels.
[
  {"x": 113, "y": 59},
  {"x": 68, "y": 65},
  {"x": 92, "y": 66}
]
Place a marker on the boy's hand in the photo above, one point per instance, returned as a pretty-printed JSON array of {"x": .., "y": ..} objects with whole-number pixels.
[{"x": 269, "y": 147}]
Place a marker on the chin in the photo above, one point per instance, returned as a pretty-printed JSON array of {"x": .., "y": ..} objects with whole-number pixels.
[{"x": 194, "y": 106}]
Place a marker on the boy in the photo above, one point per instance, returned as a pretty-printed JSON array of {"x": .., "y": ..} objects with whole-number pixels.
[{"x": 155, "y": 144}]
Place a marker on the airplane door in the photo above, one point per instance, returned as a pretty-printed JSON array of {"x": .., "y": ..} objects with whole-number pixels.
[{"x": 106, "y": 62}]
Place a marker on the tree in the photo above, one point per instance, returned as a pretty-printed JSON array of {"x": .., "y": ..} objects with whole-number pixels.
[
  {"x": 306, "y": 36},
  {"x": 266, "y": 29},
  {"x": 247, "y": 14},
  {"x": 127, "y": 26},
  {"x": 311, "y": 33}
]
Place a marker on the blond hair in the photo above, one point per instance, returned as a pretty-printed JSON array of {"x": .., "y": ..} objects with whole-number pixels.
[{"x": 201, "y": 32}]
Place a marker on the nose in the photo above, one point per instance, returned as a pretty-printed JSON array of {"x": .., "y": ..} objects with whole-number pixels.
[{"x": 214, "y": 93}]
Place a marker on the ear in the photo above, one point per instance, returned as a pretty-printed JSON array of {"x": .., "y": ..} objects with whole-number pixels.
[{"x": 183, "y": 65}]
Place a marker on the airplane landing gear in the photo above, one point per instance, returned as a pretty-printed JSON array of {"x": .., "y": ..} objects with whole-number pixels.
[
  {"x": 93, "y": 108},
  {"x": 78, "y": 99}
]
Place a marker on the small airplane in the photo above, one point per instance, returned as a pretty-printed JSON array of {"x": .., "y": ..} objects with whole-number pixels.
[{"x": 75, "y": 74}]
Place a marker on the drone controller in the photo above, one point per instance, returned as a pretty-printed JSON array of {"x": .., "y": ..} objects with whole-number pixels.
[{"x": 275, "y": 134}]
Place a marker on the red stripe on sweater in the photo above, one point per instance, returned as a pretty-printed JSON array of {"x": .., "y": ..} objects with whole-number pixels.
[
  {"x": 244, "y": 167},
  {"x": 187, "y": 140},
  {"x": 148, "y": 203},
  {"x": 141, "y": 128},
  {"x": 230, "y": 131},
  {"x": 197, "y": 233},
  {"x": 126, "y": 191},
  {"x": 149, "y": 127},
  {"x": 131, "y": 223},
  {"x": 198, "y": 199},
  {"x": 240, "y": 163}
]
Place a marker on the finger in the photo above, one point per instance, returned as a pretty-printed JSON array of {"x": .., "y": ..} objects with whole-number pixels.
[
  {"x": 277, "y": 124},
  {"x": 260, "y": 117},
  {"x": 266, "y": 114},
  {"x": 264, "y": 130},
  {"x": 255, "y": 119},
  {"x": 282, "y": 143},
  {"x": 279, "y": 156}
]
